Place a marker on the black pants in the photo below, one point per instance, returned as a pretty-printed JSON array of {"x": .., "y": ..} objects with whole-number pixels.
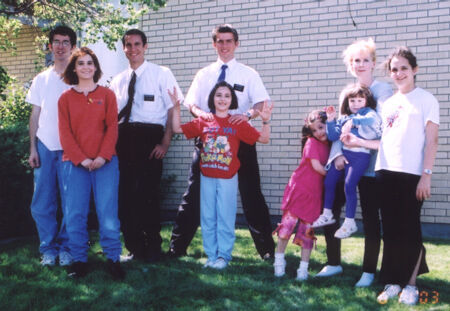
[
  {"x": 254, "y": 205},
  {"x": 402, "y": 234},
  {"x": 370, "y": 204},
  {"x": 139, "y": 188}
]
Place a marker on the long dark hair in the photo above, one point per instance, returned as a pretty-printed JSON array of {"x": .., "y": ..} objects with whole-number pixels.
[
  {"x": 234, "y": 101},
  {"x": 310, "y": 119}
]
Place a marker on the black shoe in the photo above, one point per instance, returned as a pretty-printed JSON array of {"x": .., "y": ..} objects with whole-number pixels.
[
  {"x": 77, "y": 269},
  {"x": 172, "y": 254},
  {"x": 115, "y": 270},
  {"x": 268, "y": 256},
  {"x": 153, "y": 257}
]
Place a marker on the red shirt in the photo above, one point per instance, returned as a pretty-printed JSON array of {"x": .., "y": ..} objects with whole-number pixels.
[
  {"x": 88, "y": 125},
  {"x": 218, "y": 157}
]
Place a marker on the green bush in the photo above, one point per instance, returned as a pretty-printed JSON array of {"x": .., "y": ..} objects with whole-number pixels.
[{"x": 16, "y": 180}]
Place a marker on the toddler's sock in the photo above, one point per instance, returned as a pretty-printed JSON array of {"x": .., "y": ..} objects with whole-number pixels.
[{"x": 327, "y": 212}]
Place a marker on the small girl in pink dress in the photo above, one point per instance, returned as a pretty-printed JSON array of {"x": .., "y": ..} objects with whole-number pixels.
[{"x": 302, "y": 197}]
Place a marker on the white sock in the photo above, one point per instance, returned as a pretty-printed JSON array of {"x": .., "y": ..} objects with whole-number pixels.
[
  {"x": 304, "y": 265},
  {"x": 349, "y": 221},
  {"x": 279, "y": 256},
  {"x": 327, "y": 212}
]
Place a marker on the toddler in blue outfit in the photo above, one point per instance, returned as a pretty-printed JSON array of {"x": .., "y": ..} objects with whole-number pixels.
[{"x": 360, "y": 118}]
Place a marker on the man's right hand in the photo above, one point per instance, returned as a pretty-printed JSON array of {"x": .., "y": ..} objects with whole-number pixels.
[
  {"x": 33, "y": 159},
  {"x": 207, "y": 116}
]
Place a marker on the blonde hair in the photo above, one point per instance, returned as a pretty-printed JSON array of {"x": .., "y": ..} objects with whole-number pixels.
[{"x": 367, "y": 46}]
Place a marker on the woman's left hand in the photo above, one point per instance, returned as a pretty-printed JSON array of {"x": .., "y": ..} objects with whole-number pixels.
[
  {"x": 423, "y": 190},
  {"x": 97, "y": 163}
]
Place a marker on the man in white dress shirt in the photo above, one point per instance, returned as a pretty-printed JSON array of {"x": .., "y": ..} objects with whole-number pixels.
[
  {"x": 251, "y": 94},
  {"x": 145, "y": 133}
]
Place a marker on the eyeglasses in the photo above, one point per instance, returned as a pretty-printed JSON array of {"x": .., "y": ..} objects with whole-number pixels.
[{"x": 64, "y": 43}]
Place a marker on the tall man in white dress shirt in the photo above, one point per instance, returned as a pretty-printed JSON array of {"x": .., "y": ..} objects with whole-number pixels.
[
  {"x": 251, "y": 94},
  {"x": 145, "y": 132}
]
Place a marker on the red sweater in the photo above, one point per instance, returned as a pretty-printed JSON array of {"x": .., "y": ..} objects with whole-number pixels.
[
  {"x": 218, "y": 157},
  {"x": 88, "y": 126}
]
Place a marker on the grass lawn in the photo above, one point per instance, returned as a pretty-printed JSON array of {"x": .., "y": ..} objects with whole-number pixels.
[{"x": 182, "y": 284}]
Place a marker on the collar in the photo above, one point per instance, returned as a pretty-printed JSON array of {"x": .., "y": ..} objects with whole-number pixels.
[
  {"x": 231, "y": 64},
  {"x": 139, "y": 70}
]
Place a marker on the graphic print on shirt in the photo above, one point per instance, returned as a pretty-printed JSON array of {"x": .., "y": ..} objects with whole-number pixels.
[
  {"x": 216, "y": 152},
  {"x": 393, "y": 117}
]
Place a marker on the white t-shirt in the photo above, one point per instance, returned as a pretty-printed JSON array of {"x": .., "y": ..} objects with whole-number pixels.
[
  {"x": 151, "y": 100},
  {"x": 246, "y": 82},
  {"x": 405, "y": 117},
  {"x": 44, "y": 92}
]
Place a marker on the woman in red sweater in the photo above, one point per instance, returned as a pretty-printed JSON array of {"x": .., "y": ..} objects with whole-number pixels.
[{"x": 88, "y": 133}]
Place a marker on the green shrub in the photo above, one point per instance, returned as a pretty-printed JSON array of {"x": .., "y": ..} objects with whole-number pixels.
[{"x": 16, "y": 180}]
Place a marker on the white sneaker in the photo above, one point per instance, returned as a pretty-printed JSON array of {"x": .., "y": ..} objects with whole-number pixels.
[
  {"x": 390, "y": 291},
  {"x": 302, "y": 275},
  {"x": 346, "y": 230},
  {"x": 365, "y": 280},
  {"x": 323, "y": 221},
  {"x": 209, "y": 263},
  {"x": 409, "y": 295},
  {"x": 65, "y": 259},
  {"x": 219, "y": 264},
  {"x": 126, "y": 258},
  {"x": 279, "y": 267},
  {"x": 329, "y": 271},
  {"x": 48, "y": 260}
]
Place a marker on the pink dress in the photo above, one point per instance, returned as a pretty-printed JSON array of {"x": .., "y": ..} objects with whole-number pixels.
[{"x": 303, "y": 194}]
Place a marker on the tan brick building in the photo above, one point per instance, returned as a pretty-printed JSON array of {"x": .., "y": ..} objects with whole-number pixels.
[
  {"x": 296, "y": 47},
  {"x": 22, "y": 64}
]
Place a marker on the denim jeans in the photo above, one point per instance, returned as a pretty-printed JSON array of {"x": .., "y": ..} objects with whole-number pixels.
[
  {"x": 104, "y": 182},
  {"x": 218, "y": 204},
  {"x": 47, "y": 181}
]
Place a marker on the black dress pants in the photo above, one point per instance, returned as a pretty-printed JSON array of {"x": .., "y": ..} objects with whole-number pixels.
[
  {"x": 254, "y": 205},
  {"x": 370, "y": 204},
  {"x": 139, "y": 188},
  {"x": 402, "y": 233}
]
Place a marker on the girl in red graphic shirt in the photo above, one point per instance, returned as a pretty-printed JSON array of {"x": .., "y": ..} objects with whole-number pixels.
[{"x": 219, "y": 164}]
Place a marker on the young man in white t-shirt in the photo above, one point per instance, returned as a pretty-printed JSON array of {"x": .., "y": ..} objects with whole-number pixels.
[{"x": 46, "y": 150}]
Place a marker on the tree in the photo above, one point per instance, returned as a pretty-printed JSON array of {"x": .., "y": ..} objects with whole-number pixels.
[{"x": 98, "y": 19}]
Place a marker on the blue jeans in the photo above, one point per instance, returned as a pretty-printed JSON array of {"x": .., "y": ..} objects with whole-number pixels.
[
  {"x": 47, "y": 181},
  {"x": 218, "y": 204},
  {"x": 104, "y": 182},
  {"x": 354, "y": 170}
]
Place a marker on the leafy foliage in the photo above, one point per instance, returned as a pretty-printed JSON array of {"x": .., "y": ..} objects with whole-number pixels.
[
  {"x": 99, "y": 19},
  {"x": 16, "y": 181}
]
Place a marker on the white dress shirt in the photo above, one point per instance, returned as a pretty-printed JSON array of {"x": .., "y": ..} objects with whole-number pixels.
[
  {"x": 245, "y": 80},
  {"x": 151, "y": 100}
]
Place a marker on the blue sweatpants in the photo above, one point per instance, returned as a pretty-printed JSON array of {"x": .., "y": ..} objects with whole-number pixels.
[
  {"x": 353, "y": 171},
  {"x": 218, "y": 204}
]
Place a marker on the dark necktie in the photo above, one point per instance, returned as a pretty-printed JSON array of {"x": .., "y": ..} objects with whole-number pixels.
[
  {"x": 126, "y": 111},
  {"x": 222, "y": 73}
]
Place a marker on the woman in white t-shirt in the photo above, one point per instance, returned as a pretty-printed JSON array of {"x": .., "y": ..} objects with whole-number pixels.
[{"x": 405, "y": 159}]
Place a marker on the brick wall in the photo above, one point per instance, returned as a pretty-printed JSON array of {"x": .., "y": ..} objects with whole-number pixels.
[
  {"x": 22, "y": 64},
  {"x": 296, "y": 47}
]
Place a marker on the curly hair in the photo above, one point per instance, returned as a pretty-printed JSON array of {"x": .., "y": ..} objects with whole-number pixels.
[{"x": 312, "y": 117}]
